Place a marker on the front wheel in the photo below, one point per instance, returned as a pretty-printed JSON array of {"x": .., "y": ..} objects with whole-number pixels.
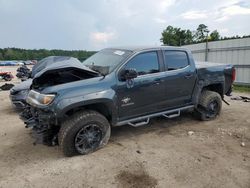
[
  {"x": 83, "y": 133},
  {"x": 209, "y": 106}
]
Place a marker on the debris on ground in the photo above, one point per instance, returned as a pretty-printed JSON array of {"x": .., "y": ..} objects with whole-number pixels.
[
  {"x": 243, "y": 144},
  {"x": 6, "y": 87},
  {"x": 138, "y": 151},
  {"x": 190, "y": 133},
  {"x": 241, "y": 98}
]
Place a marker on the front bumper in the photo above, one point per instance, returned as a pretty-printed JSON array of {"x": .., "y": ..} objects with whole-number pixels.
[
  {"x": 18, "y": 99},
  {"x": 43, "y": 124},
  {"x": 19, "y": 105}
]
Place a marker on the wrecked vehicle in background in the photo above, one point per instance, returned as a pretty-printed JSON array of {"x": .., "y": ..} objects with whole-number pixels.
[
  {"x": 7, "y": 76},
  {"x": 75, "y": 105},
  {"x": 23, "y": 73},
  {"x": 20, "y": 91}
]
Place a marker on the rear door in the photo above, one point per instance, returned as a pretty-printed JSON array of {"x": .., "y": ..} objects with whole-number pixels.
[
  {"x": 180, "y": 78},
  {"x": 143, "y": 94}
]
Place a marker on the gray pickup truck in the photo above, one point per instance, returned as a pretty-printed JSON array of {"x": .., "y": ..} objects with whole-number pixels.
[{"x": 76, "y": 104}]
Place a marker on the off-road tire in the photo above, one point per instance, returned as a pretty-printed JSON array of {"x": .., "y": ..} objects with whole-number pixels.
[
  {"x": 206, "y": 99},
  {"x": 72, "y": 126}
]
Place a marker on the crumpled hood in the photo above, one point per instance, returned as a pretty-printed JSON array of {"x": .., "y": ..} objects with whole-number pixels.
[
  {"x": 40, "y": 65},
  {"x": 64, "y": 64},
  {"x": 67, "y": 70}
]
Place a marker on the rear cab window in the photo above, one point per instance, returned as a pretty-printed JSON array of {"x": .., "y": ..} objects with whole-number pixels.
[{"x": 175, "y": 60}]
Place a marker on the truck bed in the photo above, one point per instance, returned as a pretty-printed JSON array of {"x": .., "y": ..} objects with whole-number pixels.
[{"x": 217, "y": 73}]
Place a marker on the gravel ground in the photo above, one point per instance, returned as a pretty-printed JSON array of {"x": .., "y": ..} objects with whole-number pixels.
[{"x": 162, "y": 154}]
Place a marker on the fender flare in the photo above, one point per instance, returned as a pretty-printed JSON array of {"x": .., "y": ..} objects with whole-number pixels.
[
  {"x": 107, "y": 98},
  {"x": 201, "y": 84}
]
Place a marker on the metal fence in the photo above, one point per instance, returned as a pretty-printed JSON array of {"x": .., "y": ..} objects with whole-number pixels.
[{"x": 235, "y": 51}]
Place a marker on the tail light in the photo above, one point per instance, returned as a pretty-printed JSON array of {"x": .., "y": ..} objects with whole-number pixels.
[{"x": 233, "y": 74}]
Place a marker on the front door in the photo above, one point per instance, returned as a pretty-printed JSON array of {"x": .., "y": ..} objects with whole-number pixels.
[{"x": 143, "y": 94}]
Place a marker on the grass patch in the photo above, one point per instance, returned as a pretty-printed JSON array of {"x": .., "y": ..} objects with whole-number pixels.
[{"x": 241, "y": 88}]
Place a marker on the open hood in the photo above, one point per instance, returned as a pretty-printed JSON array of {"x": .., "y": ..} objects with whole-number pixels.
[
  {"x": 64, "y": 62},
  {"x": 40, "y": 65},
  {"x": 63, "y": 71}
]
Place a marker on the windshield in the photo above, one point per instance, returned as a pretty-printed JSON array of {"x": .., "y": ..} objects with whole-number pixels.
[{"x": 106, "y": 60}]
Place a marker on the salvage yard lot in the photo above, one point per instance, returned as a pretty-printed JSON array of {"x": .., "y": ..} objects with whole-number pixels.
[{"x": 161, "y": 154}]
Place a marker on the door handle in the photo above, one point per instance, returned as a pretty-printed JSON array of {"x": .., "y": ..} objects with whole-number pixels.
[
  {"x": 158, "y": 81},
  {"x": 187, "y": 76}
]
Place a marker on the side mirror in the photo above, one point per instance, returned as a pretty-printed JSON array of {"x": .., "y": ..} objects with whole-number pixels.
[{"x": 128, "y": 74}]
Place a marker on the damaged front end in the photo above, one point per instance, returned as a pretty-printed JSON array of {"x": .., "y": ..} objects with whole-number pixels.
[
  {"x": 40, "y": 118},
  {"x": 39, "y": 114},
  {"x": 62, "y": 72},
  {"x": 43, "y": 125}
]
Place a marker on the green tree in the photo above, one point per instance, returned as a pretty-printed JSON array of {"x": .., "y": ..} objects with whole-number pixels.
[
  {"x": 174, "y": 36},
  {"x": 168, "y": 36},
  {"x": 1, "y": 56},
  {"x": 22, "y": 54},
  {"x": 201, "y": 33},
  {"x": 189, "y": 37},
  {"x": 9, "y": 54},
  {"x": 214, "y": 36}
]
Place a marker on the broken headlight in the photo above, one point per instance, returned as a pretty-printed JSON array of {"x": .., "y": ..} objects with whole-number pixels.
[{"x": 38, "y": 99}]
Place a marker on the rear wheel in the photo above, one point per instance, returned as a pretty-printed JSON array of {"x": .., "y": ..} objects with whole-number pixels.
[
  {"x": 209, "y": 106},
  {"x": 83, "y": 133}
]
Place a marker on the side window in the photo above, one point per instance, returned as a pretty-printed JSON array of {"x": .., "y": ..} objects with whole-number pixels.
[
  {"x": 144, "y": 63},
  {"x": 176, "y": 60}
]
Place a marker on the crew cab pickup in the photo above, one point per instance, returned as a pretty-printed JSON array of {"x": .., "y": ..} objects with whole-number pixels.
[{"x": 75, "y": 104}]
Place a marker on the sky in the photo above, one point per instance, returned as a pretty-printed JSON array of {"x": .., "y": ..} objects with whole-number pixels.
[{"x": 97, "y": 24}]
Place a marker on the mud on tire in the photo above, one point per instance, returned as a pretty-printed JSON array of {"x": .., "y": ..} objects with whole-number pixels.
[
  {"x": 209, "y": 106},
  {"x": 83, "y": 133}
]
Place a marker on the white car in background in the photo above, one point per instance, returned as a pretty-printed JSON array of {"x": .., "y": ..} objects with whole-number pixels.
[
  {"x": 28, "y": 62},
  {"x": 20, "y": 63}
]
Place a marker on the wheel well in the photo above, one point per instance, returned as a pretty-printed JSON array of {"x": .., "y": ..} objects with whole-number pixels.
[
  {"x": 99, "y": 107},
  {"x": 216, "y": 88}
]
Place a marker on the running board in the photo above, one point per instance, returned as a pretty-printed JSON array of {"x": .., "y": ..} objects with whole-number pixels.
[
  {"x": 139, "y": 123},
  {"x": 144, "y": 120},
  {"x": 178, "y": 113}
]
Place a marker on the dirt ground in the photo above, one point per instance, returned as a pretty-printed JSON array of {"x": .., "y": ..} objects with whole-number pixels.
[{"x": 161, "y": 154}]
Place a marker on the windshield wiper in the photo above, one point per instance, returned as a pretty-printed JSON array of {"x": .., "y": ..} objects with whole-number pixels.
[
  {"x": 102, "y": 70},
  {"x": 94, "y": 68},
  {"x": 97, "y": 70}
]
